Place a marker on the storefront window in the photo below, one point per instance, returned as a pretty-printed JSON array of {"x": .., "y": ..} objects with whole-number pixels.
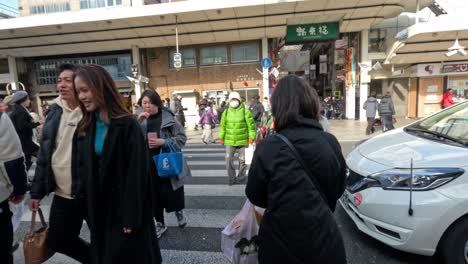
[
  {"x": 188, "y": 57},
  {"x": 246, "y": 52},
  {"x": 119, "y": 66},
  {"x": 248, "y": 93},
  {"x": 460, "y": 87},
  {"x": 218, "y": 95},
  {"x": 213, "y": 55},
  {"x": 50, "y": 8},
  {"x": 86, "y": 4}
]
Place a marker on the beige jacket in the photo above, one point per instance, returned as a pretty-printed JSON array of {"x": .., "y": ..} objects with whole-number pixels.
[{"x": 62, "y": 157}]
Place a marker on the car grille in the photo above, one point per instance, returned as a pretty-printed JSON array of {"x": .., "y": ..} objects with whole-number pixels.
[
  {"x": 356, "y": 182},
  {"x": 352, "y": 178}
]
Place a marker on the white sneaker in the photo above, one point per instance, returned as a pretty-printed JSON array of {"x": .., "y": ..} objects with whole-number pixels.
[{"x": 160, "y": 229}]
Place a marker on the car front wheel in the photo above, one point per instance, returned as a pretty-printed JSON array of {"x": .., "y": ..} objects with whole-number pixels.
[{"x": 454, "y": 246}]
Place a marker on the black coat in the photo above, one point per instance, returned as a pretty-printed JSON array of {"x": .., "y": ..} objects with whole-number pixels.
[
  {"x": 44, "y": 178},
  {"x": 119, "y": 195},
  {"x": 24, "y": 126},
  {"x": 298, "y": 226}
]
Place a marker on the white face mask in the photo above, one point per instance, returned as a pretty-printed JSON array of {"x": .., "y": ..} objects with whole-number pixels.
[{"x": 234, "y": 104}]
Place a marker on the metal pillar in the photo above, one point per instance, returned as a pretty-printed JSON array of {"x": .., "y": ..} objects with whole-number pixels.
[
  {"x": 136, "y": 61},
  {"x": 13, "y": 70},
  {"x": 366, "y": 65},
  {"x": 265, "y": 73}
]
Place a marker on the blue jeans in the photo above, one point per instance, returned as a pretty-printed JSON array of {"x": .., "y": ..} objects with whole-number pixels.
[{"x": 387, "y": 123}]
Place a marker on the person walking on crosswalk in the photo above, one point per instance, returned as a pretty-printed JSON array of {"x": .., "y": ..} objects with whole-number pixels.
[
  {"x": 238, "y": 130},
  {"x": 55, "y": 172},
  {"x": 114, "y": 158},
  {"x": 298, "y": 175},
  {"x": 208, "y": 121},
  {"x": 159, "y": 125},
  {"x": 12, "y": 183}
]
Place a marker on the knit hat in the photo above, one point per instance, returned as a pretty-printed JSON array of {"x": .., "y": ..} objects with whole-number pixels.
[
  {"x": 19, "y": 96},
  {"x": 234, "y": 95}
]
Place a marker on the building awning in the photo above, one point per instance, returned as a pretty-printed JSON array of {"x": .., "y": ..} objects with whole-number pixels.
[
  {"x": 201, "y": 21},
  {"x": 429, "y": 42}
]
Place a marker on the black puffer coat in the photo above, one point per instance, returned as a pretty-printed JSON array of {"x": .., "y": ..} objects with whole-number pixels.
[
  {"x": 298, "y": 226},
  {"x": 44, "y": 178},
  {"x": 24, "y": 126}
]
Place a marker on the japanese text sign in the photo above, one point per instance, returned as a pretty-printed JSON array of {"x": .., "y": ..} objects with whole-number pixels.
[{"x": 312, "y": 32}]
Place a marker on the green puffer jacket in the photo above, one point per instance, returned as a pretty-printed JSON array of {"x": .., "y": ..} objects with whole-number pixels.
[{"x": 237, "y": 126}]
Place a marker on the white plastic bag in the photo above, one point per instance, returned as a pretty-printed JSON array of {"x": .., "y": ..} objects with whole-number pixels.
[
  {"x": 249, "y": 151},
  {"x": 239, "y": 238}
]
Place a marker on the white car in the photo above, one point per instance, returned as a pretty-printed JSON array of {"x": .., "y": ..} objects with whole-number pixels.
[{"x": 425, "y": 215}]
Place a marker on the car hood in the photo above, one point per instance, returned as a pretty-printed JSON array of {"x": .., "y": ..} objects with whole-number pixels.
[{"x": 396, "y": 149}]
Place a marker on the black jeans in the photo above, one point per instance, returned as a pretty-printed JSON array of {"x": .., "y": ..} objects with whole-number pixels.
[
  {"x": 6, "y": 233},
  {"x": 66, "y": 219}
]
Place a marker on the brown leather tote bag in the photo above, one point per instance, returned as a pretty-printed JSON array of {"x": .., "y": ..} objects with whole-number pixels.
[{"x": 35, "y": 244}]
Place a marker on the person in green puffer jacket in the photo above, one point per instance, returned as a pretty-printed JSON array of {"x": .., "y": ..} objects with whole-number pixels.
[{"x": 236, "y": 133}]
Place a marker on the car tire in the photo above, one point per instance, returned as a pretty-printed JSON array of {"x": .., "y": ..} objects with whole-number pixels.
[{"x": 452, "y": 248}]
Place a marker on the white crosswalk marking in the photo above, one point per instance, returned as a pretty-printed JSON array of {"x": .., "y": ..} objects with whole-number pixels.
[{"x": 210, "y": 205}]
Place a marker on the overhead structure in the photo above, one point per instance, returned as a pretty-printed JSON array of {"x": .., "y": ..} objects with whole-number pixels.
[
  {"x": 430, "y": 42},
  {"x": 97, "y": 30}
]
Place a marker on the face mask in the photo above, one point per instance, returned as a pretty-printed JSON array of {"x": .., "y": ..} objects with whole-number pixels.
[{"x": 234, "y": 104}]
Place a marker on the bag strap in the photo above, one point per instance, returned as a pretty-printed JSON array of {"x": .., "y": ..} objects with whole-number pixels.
[
  {"x": 305, "y": 167},
  {"x": 32, "y": 230}
]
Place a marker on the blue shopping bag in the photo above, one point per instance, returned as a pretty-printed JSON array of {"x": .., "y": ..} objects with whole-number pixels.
[{"x": 169, "y": 164}]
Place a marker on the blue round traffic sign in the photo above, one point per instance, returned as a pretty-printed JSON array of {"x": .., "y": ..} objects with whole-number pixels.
[{"x": 266, "y": 63}]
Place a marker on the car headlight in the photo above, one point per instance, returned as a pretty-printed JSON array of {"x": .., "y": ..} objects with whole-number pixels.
[{"x": 423, "y": 179}]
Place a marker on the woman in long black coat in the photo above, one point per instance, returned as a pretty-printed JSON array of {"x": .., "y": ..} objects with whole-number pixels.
[
  {"x": 298, "y": 225},
  {"x": 114, "y": 158}
]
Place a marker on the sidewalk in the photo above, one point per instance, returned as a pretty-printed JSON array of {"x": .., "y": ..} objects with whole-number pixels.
[
  {"x": 354, "y": 130},
  {"x": 344, "y": 130}
]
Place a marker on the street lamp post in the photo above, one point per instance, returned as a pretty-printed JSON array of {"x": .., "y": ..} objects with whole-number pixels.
[{"x": 136, "y": 81}]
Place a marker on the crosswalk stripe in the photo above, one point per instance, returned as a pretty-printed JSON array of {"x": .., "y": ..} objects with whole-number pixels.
[
  {"x": 209, "y": 173},
  {"x": 215, "y": 190},
  {"x": 204, "y": 162},
  {"x": 205, "y": 155},
  {"x": 192, "y": 150}
]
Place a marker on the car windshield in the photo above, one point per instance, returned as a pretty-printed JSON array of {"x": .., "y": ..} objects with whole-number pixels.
[{"x": 451, "y": 123}]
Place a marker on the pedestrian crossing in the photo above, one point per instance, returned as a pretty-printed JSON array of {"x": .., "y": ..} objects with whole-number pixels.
[{"x": 210, "y": 205}]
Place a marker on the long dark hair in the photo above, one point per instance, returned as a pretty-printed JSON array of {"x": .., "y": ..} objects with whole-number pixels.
[
  {"x": 293, "y": 100},
  {"x": 106, "y": 95}
]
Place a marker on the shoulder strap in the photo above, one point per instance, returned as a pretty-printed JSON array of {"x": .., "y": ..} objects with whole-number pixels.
[{"x": 305, "y": 167}]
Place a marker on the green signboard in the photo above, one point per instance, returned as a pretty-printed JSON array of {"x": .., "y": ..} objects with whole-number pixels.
[{"x": 312, "y": 32}]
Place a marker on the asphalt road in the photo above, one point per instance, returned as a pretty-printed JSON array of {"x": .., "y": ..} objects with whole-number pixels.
[{"x": 361, "y": 249}]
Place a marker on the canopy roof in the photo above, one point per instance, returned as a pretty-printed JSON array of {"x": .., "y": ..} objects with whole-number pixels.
[
  {"x": 199, "y": 21},
  {"x": 429, "y": 42}
]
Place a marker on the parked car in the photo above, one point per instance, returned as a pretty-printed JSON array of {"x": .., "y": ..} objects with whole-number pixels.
[{"x": 408, "y": 188}]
